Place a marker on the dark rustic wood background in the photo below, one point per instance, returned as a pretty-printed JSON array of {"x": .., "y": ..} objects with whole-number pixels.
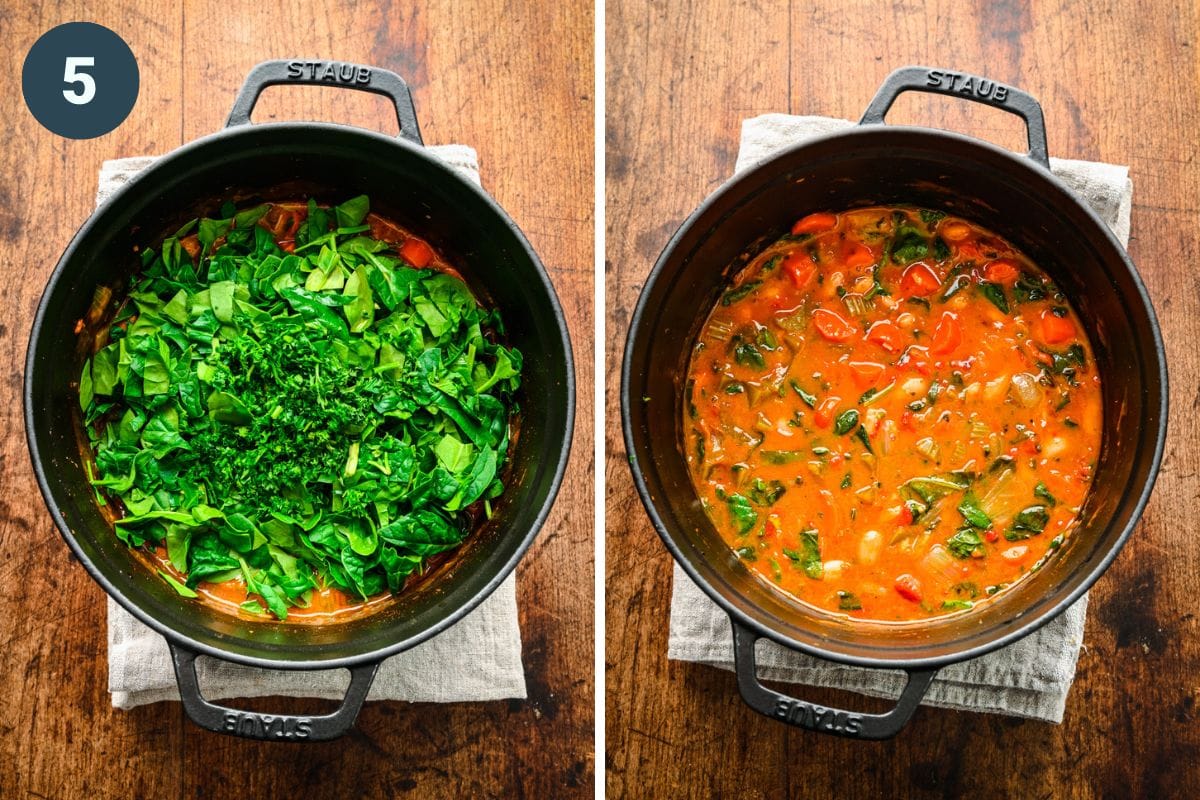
[
  {"x": 514, "y": 81},
  {"x": 1118, "y": 81}
]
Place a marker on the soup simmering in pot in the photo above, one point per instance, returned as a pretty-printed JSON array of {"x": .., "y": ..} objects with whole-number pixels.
[{"x": 892, "y": 414}]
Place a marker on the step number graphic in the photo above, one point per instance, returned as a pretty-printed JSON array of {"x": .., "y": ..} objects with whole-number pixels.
[
  {"x": 80, "y": 80},
  {"x": 85, "y": 96}
]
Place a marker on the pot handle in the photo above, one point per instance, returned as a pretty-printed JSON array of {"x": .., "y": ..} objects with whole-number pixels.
[
  {"x": 268, "y": 727},
  {"x": 967, "y": 87},
  {"x": 833, "y": 721},
  {"x": 339, "y": 74}
]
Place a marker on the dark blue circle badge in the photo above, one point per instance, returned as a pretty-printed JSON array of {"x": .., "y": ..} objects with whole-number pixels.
[{"x": 80, "y": 80}]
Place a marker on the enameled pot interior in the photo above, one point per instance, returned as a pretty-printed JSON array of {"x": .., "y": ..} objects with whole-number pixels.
[
  {"x": 885, "y": 165},
  {"x": 332, "y": 163}
]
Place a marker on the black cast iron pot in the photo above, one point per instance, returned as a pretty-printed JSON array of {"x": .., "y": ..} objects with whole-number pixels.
[
  {"x": 877, "y": 164},
  {"x": 288, "y": 161}
]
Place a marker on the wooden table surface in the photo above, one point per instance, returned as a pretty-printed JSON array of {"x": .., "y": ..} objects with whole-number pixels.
[
  {"x": 1118, "y": 82},
  {"x": 515, "y": 83}
]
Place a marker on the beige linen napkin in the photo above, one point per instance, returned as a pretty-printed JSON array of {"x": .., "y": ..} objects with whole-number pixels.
[
  {"x": 1029, "y": 678},
  {"x": 477, "y": 659}
]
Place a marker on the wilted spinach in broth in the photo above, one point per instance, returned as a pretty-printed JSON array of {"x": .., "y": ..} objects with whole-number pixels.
[
  {"x": 892, "y": 414},
  {"x": 296, "y": 407}
]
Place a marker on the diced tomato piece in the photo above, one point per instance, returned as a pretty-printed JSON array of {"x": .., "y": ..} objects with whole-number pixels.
[
  {"x": 919, "y": 280},
  {"x": 969, "y": 251},
  {"x": 815, "y": 223},
  {"x": 991, "y": 535},
  {"x": 1003, "y": 271},
  {"x": 920, "y": 365},
  {"x": 823, "y": 415},
  {"x": 1056, "y": 329},
  {"x": 799, "y": 267},
  {"x": 906, "y": 516},
  {"x": 909, "y": 587},
  {"x": 772, "y": 526},
  {"x": 887, "y": 335},
  {"x": 416, "y": 252},
  {"x": 866, "y": 373},
  {"x": 832, "y": 325},
  {"x": 947, "y": 336},
  {"x": 857, "y": 254}
]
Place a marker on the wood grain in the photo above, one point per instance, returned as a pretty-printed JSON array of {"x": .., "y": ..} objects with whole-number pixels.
[
  {"x": 516, "y": 83},
  {"x": 1118, "y": 82}
]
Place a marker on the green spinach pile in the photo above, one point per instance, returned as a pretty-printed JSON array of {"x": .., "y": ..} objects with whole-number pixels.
[{"x": 330, "y": 416}]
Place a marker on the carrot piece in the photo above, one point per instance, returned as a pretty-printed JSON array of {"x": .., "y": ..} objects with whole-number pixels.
[
  {"x": 799, "y": 267},
  {"x": 823, "y": 415},
  {"x": 815, "y": 223},
  {"x": 1056, "y": 329},
  {"x": 887, "y": 335},
  {"x": 832, "y": 325},
  {"x": 416, "y": 252},
  {"x": 1002, "y": 271},
  {"x": 866, "y": 373},
  {"x": 909, "y": 587},
  {"x": 947, "y": 336},
  {"x": 919, "y": 280},
  {"x": 856, "y": 254}
]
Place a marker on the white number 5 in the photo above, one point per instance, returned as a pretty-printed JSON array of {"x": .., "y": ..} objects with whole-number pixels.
[{"x": 79, "y": 97}]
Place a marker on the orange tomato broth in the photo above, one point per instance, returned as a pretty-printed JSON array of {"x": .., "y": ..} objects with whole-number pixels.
[{"x": 892, "y": 414}]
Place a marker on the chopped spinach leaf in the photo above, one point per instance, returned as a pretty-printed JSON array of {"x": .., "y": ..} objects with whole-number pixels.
[
  {"x": 1027, "y": 522},
  {"x": 746, "y": 354},
  {"x": 964, "y": 543},
  {"x": 941, "y": 250},
  {"x": 810, "y": 400},
  {"x": 1041, "y": 491},
  {"x": 733, "y": 295},
  {"x": 861, "y": 435},
  {"x": 766, "y": 493},
  {"x": 910, "y": 246},
  {"x": 1029, "y": 288},
  {"x": 808, "y": 558},
  {"x": 845, "y": 421},
  {"x": 302, "y": 414},
  {"x": 969, "y": 508},
  {"x": 744, "y": 515},
  {"x": 995, "y": 293}
]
